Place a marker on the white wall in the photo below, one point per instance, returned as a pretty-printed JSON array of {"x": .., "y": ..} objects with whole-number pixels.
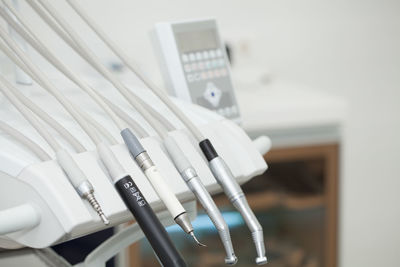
[{"x": 350, "y": 48}]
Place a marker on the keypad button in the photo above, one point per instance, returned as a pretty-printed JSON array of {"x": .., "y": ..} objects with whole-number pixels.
[
  {"x": 194, "y": 66},
  {"x": 201, "y": 66},
  {"x": 185, "y": 58},
  {"x": 205, "y": 55},
  {"x": 218, "y": 52},
  {"x": 228, "y": 111},
  {"x": 210, "y": 74},
  {"x": 212, "y": 54},
  {"x": 192, "y": 57},
  {"x": 221, "y": 62},
  {"x": 187, "y": 68},
  {"x": 199, "y": 56},
  {"x": 217, "y": 73},
  {"x": 204, "y": 75},
  {"x": 214, "y": 63},
  {"x": 208, "y": 64},
  {"x": 212, "y": 94}
]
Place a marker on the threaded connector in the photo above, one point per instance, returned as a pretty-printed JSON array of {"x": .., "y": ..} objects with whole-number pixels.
[{"x": 96, "y": 206}]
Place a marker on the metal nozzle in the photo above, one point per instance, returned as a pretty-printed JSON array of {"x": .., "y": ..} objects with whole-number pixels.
[
  {"x": 96, "y": 206},
  {"x": 197, "y": 241},
  {"x": 184, "y": 222}
]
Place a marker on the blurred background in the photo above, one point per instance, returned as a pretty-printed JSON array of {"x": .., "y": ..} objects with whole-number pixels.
[{"x": 329, "y": 76}]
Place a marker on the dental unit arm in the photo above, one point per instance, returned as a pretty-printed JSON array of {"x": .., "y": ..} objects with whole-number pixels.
[
  {"x": 59, "y": 213},
  {"x": 242, "y": 163}
]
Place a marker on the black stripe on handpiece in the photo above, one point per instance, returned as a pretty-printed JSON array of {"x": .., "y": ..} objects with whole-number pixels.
[
  {"x": 208, "y": 149},
  {"x": 148, "y": 221}
]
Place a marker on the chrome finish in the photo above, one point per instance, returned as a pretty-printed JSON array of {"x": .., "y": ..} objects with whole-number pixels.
[
  {"x": 235, "y": 194},
  {"x": 201, "y": 193},
  {"x": 144, "y": 161},
  {"x": 184, "y": 222},
  {"x": 84, "y": 189},
  {"x": 197, "y": 241},
  {"x": 188, "y": 174},
  {"x": 96, "y": 206}
]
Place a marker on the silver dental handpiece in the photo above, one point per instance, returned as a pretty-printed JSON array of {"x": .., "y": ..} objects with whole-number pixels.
[
  {"x": 194, "y": 183},
  {"x": 234, "y": 192}
]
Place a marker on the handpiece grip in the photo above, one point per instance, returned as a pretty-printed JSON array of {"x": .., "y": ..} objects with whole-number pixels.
[
  {"x": 164, "y": 192},
  {"x": 148, "y": 221}
]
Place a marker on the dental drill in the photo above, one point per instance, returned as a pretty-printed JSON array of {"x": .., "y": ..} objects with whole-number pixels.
[
  {"x": 219, "y": 168},
  {"x": 184, "y": 167}
]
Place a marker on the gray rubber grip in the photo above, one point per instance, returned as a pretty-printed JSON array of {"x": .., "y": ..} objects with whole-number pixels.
[
  {"x": 177, "y": 156},
  {"x": 131, "y": 141}
]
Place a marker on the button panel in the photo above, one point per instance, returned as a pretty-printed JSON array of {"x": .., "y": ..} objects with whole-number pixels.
[
  {"x": 204, "y": 65},
  {"x": 228, "y": 111}
]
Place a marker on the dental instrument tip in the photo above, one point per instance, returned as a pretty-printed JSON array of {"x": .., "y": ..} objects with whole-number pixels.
[
  {"x": 197, "y": 241},
  {"x": 96, "y": 206},
  {"x": 104, "y": 219}
]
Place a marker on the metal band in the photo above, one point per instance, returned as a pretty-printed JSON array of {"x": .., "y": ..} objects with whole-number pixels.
[
  {"x": 84, "y": 189},
  {"x": 144, "y": 161},
  {"x": 188, "y": 174}
]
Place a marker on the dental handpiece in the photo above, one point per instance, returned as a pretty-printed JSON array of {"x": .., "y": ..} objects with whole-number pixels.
[
  {"x": 144, "y": 161},
  {"x": 149, "y": 223},
  {"x": 236, "y": 196},
  {"x": 194, "y": 183}
]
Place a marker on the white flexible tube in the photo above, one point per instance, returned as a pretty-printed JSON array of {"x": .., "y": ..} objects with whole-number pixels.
[
  {"x": 78, "y": 45},
  {"x": 164, "y": 192},
  {"x": 100, "y": 128},
  {"x": 45, "y": 82},
  {"x": 74, "y": 173},
  {"x": 27, "y": 33},
  {"x": 78, "y": 147},
  {"x": 45, "y": 52},
  {"x": 161, "y": 119},
  {"x": 39, "y": 152},
  {"x": 128, "y": 62},
  {"x": 139, "y": 130},
  {"x": 5, "y": 87},
  {"x": 52, "y": 122}
]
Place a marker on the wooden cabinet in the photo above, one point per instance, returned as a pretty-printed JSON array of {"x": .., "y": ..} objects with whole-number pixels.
[{"x": 296, "y": 202}]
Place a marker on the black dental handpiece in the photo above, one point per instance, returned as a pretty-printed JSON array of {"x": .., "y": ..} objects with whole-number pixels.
[{"x": 154, "y": 231}]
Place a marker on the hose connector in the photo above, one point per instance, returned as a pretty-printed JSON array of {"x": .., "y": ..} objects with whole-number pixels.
[{"x": 86, "y": 191}]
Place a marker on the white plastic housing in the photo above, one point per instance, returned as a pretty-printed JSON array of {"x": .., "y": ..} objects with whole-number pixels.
[{"x": 63, "y": 214}]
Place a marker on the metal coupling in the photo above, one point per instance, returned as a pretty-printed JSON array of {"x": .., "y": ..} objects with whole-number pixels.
[
  {"x": 86, "y": 191},
  {"x": 188, "y": 174},
  {"x": 144, "y": 161}
]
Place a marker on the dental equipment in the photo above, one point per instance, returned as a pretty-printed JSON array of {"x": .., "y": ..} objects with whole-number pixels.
[
  {"x": 136, "y": 149},
  {"x": 129, "y": 192},
  {"x": 220, "y": 169},
  {"x": 184, "y": 167}
]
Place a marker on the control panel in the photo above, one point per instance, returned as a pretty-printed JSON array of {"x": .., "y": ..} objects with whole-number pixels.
[{"x": 195, "y": 65}]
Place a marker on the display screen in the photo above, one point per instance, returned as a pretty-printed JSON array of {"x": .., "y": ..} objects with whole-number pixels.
[{"x": 197, "y": 40}]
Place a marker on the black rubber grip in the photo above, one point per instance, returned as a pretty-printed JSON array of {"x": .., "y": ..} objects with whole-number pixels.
[
  {"x": 154, "y": 231},
  {"x": 208, "y": 149}
]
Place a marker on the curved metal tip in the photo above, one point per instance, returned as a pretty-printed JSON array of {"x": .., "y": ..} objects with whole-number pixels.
[
  {"x": 197, "y": 241},
  {"x": 96, "y": 206}
]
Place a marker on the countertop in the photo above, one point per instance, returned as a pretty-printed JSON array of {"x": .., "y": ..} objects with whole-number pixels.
[{"x": 290, "y": 114}]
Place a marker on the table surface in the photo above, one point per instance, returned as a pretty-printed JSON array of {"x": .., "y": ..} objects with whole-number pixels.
[{"x": 290, "y": 114}]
